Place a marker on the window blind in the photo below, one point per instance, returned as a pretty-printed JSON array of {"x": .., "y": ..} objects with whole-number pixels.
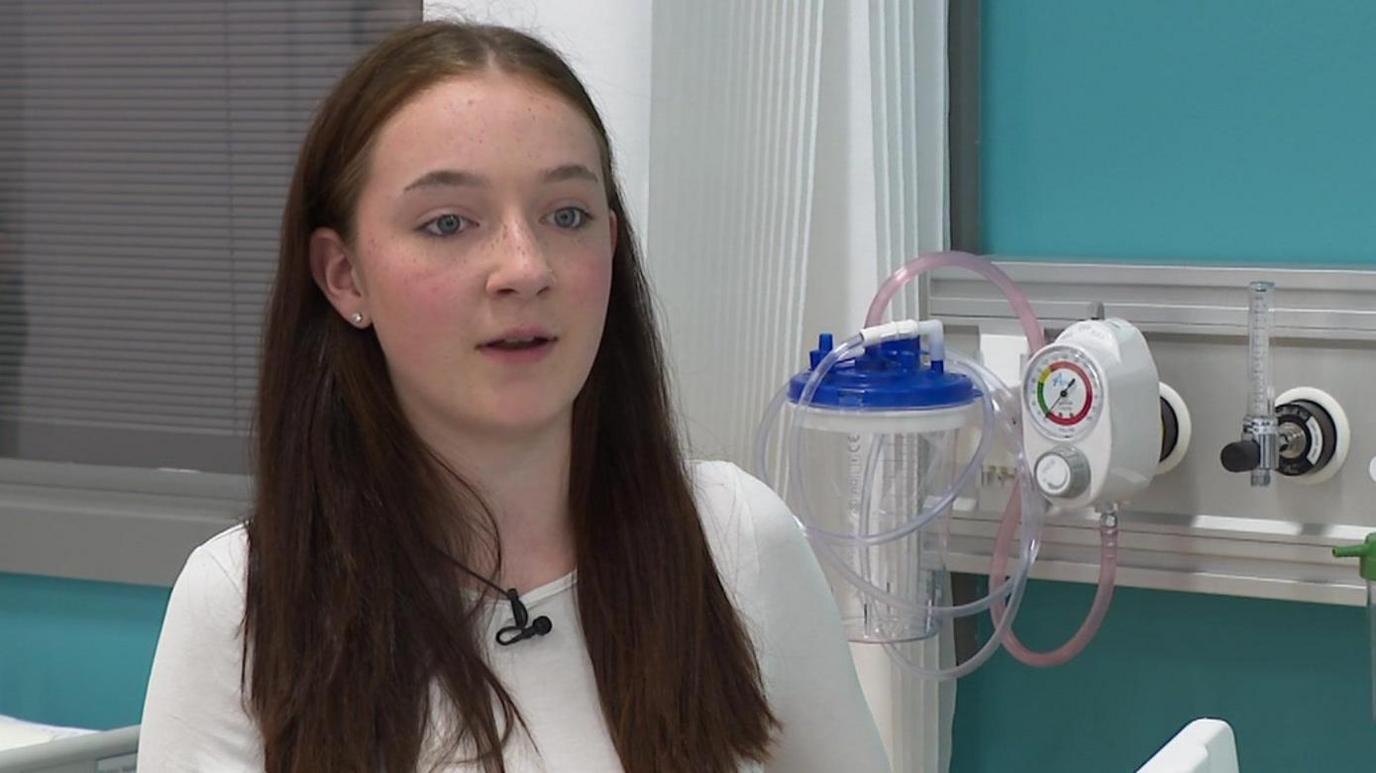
[{"x": 145, "y": 150}]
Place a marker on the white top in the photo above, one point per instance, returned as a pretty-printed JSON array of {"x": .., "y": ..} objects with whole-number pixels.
[{"x": 193, "y": 719}]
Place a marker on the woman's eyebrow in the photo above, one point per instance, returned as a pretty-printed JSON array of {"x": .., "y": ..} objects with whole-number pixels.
[
  {"x": 456, "y": 177},
  {"x": 448, "y": 177},
  {"x": 570, "y": 172}
]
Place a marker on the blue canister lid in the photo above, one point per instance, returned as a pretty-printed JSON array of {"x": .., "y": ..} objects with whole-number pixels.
[{"x": 889, "y": 376}]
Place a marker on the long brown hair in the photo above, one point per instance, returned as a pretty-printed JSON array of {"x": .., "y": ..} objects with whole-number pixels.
[{"x": 355, "y": 601}]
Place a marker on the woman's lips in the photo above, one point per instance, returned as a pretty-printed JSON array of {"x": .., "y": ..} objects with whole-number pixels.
[{"x": 519, "y": 351}]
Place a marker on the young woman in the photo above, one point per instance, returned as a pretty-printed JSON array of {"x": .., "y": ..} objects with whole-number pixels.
[{"x": 475, "y": 544}]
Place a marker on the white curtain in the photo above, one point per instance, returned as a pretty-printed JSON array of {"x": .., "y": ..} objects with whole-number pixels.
[{"x": 797, "y": 157}]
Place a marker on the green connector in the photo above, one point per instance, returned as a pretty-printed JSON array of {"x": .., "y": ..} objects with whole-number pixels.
[{"x": 1366, "y": 552}]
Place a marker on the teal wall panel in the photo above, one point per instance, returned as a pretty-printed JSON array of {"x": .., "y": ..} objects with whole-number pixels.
[
  {"x": 1219, "y": 131},
  {"x": 1291, "y": 678},
  {"x": 74, "y": 652}
]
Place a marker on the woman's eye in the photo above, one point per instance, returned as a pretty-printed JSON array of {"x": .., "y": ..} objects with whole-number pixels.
[
  {"x": 571, "y": 218},
  {"x": 446, "y": 225}
]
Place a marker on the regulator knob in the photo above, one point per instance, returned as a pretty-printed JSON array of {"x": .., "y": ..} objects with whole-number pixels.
[{"x": 1062, "y": 472}]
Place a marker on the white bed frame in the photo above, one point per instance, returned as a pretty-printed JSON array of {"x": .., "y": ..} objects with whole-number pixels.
[{"x": 113, "y": 751}]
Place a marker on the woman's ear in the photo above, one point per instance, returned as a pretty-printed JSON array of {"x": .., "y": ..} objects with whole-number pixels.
[{"x": 336, "y": 275}]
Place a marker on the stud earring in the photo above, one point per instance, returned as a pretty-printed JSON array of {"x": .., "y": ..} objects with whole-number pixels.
[{"x": 357, "y": 318}]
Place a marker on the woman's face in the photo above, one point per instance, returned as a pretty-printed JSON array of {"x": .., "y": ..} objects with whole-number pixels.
[{"x": 483, "y": 255}]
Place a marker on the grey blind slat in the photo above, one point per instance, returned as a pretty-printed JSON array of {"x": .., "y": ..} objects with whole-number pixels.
[{"x": 145, "y": 148}]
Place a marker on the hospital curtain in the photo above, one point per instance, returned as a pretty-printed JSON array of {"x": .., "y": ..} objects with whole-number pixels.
[
  {"x": 797, "y": 157},
  {"x": 145, "y": 148}
]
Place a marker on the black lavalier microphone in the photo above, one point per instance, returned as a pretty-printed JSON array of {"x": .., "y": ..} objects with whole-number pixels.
[
  {"x": 514, "y": 633},
  {"x": 524, "y": 627}
]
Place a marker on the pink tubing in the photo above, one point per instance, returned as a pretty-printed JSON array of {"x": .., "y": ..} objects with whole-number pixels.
[
  {"x": 1103, "y": 595},
  {"x": 1031, "y": 326},
  {"x": 1108, "y": 532}
]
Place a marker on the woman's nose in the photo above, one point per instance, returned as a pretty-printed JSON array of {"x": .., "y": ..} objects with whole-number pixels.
[{"x": 520, "y": 264}]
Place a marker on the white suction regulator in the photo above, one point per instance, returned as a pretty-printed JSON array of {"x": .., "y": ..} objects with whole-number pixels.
[{"x": 1092, "y": 406}]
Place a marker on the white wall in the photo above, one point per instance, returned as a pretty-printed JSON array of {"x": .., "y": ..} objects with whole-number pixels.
[{"x": 607, "y": 43}]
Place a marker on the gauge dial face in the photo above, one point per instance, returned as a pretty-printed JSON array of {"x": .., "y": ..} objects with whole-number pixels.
[{"x": 1063, "y": 393}]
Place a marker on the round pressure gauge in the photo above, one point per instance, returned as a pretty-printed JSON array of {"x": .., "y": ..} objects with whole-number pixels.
[{"x": 1063, "y": 392}]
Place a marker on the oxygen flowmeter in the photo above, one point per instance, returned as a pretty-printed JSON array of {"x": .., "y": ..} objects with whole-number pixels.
[{"x": 1303, "y": 434}]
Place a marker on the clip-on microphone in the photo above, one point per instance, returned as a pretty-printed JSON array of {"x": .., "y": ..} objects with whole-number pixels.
[{"x": 514, "y": 633}]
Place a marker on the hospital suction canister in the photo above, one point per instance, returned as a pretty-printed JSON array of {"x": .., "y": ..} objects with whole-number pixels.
[
  {"x": 1366, "y": 552},
  {"x": 878, "y": 438}
]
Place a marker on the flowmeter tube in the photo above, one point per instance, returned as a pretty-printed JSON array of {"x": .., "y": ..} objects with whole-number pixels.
[
  {"x": 1261, "y": 405},
  {"x": 1258, "y": 451}
]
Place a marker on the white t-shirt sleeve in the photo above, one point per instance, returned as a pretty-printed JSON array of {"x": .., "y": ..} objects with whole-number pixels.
[
  {"x": 809, "y": 674},
  {"x": 192, "y": 716}
]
